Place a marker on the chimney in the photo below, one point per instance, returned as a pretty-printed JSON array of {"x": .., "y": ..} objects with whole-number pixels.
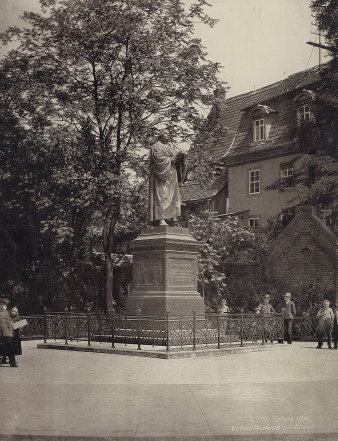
[
  {"x": 305, "y": 209},
  {"x": 219, "y": 93}
]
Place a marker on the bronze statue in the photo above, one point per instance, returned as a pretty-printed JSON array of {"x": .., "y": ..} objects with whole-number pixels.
[{"x": 167, "y": 169}]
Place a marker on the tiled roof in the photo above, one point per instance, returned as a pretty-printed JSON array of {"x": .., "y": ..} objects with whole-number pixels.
[
  {"x": 193, "y": 191},
  {"x": 234, "y": 115}
]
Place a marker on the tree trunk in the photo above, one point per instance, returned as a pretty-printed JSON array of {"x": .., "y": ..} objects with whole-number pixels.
[
  {"x": 109, "y": 283},
  {"x": 108, "y": 230}
]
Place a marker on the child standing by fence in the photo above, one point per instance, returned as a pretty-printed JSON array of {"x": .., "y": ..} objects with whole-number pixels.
[{"x": 325, "y": 324}]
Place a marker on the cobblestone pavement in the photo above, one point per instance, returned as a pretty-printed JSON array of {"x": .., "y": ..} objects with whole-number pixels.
[{"x": 255, "y": 394}]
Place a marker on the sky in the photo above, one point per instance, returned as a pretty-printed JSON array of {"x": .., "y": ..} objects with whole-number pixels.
[{"x": 258, "y": 42}]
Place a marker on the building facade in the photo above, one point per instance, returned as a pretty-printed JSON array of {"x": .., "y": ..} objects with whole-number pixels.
[{"x": 259, "y": 152}]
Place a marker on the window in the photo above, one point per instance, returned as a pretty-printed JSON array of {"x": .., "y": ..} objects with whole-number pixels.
[
  {"x": 304, "y": 114},
  {"x": 259, "y": 130},
  {"x": 286, "y": 176},
  {"x": 253, "y": 222},
  {"x": 254, "y": 181}
]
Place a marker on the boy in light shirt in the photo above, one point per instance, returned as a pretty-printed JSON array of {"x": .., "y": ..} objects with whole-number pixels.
[{"x": 325, "y": 324}]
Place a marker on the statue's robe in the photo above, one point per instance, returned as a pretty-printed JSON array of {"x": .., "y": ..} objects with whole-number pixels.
[{"x": 164, "y": 196}]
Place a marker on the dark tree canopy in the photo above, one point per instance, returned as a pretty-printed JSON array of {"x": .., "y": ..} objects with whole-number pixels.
[{"x": 91, "y": 82}]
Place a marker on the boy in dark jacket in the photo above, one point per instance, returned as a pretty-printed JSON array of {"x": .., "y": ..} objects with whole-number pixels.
[{"x": 289, "y": 314}]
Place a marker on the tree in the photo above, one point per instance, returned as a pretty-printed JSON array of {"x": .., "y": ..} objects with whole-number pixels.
[
  {"x": 96, "y": 78},
  {"x": 326, "y": 15},
  {"x": 317, "y": 139},
  {"x": 227, "y": 246},
  {"x": 320, "y": 137}
]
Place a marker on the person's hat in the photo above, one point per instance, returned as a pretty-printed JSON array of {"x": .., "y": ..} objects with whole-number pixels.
[
  {"x": 288, "y": 295},
  {"x": 4, "y": 300},
  {"x": 266, "y": 296}
]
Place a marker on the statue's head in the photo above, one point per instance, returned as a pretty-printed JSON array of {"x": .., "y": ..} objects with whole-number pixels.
[{"x": 163, "y": 136}]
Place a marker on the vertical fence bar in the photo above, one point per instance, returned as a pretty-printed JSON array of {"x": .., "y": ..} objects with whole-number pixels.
[
  {"x": 125, "y": 331},
  {"x": 138, "y": 331},
  {"x": 263, "y": 330},
  {"x": 194, "y": 331},
  {"x": 112, "y": 329},
  {"x": 99, "y": 318},
  {"x": 218, "y": 331},
  {"x": 153, "y": 328},
  {"x": 66, "y": 326},
  {"x": 230, "y": 330},
  {"x": 88, "y": 327},
  {"x": 242, "y": 323},
  {"x": 77, "y": 320},
  {"x": 168, "y": 336},
  {"x": 55, "y": 324},
  {"x": 45, "y": 325},
  {"x": 181, "y": 331},
  {"x": 283, "y": 329}
]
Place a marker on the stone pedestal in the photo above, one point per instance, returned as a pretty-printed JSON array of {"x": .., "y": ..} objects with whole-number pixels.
[{"x": 164, "y": 273}]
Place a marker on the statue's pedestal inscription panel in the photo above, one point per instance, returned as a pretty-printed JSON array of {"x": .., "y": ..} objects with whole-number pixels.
[
  {"x": 165, "y": 273},
  {"x": 181, "y": 273}
]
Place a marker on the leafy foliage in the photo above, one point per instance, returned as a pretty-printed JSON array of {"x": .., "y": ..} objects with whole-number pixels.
[
  {"x": 89, "y": 85},
  {"x": 228, "y": 248},
  {"x": 308, "y": 298},
  {"x": 326, "y": 15}
]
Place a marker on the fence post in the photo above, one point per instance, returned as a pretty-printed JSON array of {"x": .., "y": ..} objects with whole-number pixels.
[
  {"x": 112, "y": 329},
  {"x": 283, "y": 329},
  {"x": 99, "y": 317},
  {"x": 218, "y": 330},
  {"x": 77, "y": 328},
  {"x": 229, "y": 322},
  {"x": 45, "y": 325},
  {"x": 168, "y": 337},
  {"x": 194, "y": 331},
  {"x": 153, "y": 328},
  {"x": 138, "y": 330},
  {"x": 242, "y": 323},
  {"x": 66, "y": 326},
  {"x": 263, "y": 333},
  {"x": 88, "y": 326}
]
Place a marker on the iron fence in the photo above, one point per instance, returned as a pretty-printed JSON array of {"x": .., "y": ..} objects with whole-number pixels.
[
  {"x": 166, "y": 331},
  {"x": 305, "y": 328},
  {"x": 35, "y": 327},
  {"x": 169, "y": 331}
]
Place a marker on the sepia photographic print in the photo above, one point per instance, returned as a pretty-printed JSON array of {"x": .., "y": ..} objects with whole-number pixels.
[{"x": 168, "y": 220}]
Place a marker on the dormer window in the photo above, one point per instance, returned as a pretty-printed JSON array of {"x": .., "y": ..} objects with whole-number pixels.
[
  {"x": 303, "y": 102},
  {"x": 259, "y": 129},
  {"x": 261, "y": 115}
]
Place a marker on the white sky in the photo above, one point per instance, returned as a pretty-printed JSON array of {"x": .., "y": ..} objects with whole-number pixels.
[{"x": 257, "y": 41}]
